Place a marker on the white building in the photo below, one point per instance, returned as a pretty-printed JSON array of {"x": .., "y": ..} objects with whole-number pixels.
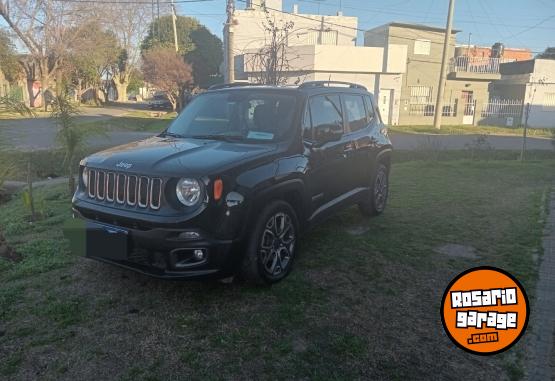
[
  {"x": 530, "y": 82},
  {"x": 320, "y": 48}
]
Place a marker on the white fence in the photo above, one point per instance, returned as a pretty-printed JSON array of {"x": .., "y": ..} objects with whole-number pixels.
[
  {"x": 502, "y": 108},
  {"x": 477, "y": 64},
  {"x": 428, "y": 109}
]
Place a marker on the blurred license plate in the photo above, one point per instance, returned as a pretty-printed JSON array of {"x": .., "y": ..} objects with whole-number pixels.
[{"x": 104, "y": 241}]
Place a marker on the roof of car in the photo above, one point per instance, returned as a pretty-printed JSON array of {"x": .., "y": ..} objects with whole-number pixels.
[{"x": 312, "y": 87}]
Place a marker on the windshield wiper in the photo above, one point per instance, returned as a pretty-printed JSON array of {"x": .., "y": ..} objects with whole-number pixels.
[{"x": 219, "y": 137}]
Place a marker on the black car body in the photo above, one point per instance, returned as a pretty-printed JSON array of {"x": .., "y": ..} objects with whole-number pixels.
[{"x": 327, "y": 150}]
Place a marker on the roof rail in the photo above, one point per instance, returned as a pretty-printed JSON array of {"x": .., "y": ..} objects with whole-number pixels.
[
  {"x": 329, "y": 83},
  {"x": 229, "y": 85}
]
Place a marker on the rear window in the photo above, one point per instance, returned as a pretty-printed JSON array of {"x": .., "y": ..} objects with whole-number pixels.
[{"x": 355, "y": 112}]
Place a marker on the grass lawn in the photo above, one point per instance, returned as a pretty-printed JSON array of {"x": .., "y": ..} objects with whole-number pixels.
[
  {"x": 362, "y": 302},
  {"x": 474, "y": 130}
]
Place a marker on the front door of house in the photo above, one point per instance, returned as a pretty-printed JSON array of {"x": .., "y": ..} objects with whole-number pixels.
[
  {"x": 469, "y": 107},
  {"x": 385, "y": 105}
]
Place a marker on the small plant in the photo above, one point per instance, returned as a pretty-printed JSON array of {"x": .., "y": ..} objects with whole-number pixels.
[
  {"x": 69, "y": 135},
  {"x": 431, "y": 148},
  {"x": 480, "y": 147}
]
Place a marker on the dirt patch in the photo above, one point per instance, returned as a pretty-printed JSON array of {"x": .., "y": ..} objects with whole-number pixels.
[{"x": 454, "y": 250}]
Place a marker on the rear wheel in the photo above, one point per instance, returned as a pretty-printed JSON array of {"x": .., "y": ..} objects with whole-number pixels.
[
  {"x": 272, "y": 245},
  {"x": 379, "y": 192}
]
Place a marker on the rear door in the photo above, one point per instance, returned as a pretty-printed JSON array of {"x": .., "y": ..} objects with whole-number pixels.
[
  {"x": 329, "y": 175},
  {"x": 359, "y": 121}
]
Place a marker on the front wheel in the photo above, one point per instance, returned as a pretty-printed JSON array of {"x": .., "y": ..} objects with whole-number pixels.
[
  {"x": 379, "y": 192},
  {"x": 272, "y": 245}
]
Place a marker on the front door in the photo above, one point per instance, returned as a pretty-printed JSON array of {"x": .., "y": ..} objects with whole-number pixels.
[
  {"x": 330, "y": 173},
  {"x": 469, "y": 107},
  {"x": 386, "y": 95}
]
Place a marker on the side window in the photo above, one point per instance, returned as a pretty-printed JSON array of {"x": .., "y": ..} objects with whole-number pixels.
[
  {"x": 369, "y": 109},
  {"x": 355, "y": 112},
  {"x": 327, "y": 116}
]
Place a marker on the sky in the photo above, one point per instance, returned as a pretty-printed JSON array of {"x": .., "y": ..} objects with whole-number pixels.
[
  {"x": 516, "y": 23},
  {"x": 520, "y": 24}
]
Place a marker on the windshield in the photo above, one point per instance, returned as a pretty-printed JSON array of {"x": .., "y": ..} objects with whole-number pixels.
[{"x": 241, "y": 115}]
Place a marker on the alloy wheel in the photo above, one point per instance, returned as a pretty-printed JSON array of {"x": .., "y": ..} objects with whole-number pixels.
[{"x": 277, "y": 244}]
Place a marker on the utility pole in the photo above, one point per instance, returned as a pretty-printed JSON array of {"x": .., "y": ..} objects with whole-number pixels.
[
  {"x": 442, "y": 75},
  {"x": 158, "y": 18},
  {"x": 174, "y": 19},
  {"x": 229, "y": 42}
]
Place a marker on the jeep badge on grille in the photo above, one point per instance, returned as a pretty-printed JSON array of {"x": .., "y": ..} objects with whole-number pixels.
[{"x": 123, "y": 164}]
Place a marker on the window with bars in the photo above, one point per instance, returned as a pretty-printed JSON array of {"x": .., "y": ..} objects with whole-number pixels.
[
  {"x": 549, "y": 101},
  {"x": 420, "y": 95}
]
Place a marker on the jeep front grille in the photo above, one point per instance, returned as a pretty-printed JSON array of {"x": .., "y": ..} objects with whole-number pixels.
[{"x": 123, "y": 189}]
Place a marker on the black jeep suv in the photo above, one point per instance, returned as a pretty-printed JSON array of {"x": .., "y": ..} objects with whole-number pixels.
[{"x": 230, "y": 185}]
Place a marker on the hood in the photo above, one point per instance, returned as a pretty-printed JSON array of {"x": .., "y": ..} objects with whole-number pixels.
[{"x": 173, "y": 156}]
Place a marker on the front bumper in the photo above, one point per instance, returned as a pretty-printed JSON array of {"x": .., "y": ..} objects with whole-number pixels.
[{"x": 160, "y": 252}]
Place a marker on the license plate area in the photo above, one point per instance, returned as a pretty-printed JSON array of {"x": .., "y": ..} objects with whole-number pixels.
[{"x": 105, "y": 241}]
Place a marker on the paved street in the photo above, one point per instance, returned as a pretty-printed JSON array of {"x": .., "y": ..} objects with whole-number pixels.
[{"x": 40, "y": 133}]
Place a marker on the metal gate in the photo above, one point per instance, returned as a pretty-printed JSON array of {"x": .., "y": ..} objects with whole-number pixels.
[{"x": 469, "y": 107}]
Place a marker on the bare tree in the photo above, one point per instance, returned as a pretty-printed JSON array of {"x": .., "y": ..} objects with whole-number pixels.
[
  {"x": 270, "y": 64},
  {"x": 167, "y": 71},
  {"x": 46, "y": 28},
  {"x": 129, "y": 22}
]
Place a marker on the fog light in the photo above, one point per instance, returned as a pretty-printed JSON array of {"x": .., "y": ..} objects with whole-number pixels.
[{"x": 199, "y": 254}]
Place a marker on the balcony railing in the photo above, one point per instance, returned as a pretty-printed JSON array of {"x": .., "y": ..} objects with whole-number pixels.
[{"x": 485, "y": 65}]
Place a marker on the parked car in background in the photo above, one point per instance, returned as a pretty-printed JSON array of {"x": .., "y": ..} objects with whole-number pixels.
[
  {"x": 234, "y": 180},
  {"x": 160, "y": 101}
]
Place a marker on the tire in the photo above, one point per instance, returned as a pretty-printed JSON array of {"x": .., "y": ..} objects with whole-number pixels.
[
  {"x": 379, "y": 192},
  {"x": 269, "y": 258}
]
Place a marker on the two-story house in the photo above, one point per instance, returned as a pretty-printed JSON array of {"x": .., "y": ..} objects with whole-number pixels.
[
  {"x": 317, "y": 47},
  {"x": 467, "y": 85}
]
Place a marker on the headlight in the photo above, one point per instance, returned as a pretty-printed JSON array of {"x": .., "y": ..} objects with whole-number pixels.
[
  {"x": 85, "y": 176},
  {"x": 188, "y": 191}
]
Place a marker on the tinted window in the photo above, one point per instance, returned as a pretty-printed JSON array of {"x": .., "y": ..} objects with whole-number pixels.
[
  {"x": 355, "y": 112},
  {"x": 326, "y": 114},
  {"x": 369, "y": 108},
  {"x": 251, "y": 115}
]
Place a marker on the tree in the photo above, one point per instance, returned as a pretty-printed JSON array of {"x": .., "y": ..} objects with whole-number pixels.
[
  {"x": 46, "y": 28},
  {"x": 206, "y": 57},
  {"x": 166, "y": 70},
  {"x": 271, "y": 63},
  {"x": 128, "y": 21},
  {"x": 549, "y": 53},
  {"x": 202, "y": 49},
  {"x": 92, "y": 58},
  {"x": 8, "y": 57}
]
